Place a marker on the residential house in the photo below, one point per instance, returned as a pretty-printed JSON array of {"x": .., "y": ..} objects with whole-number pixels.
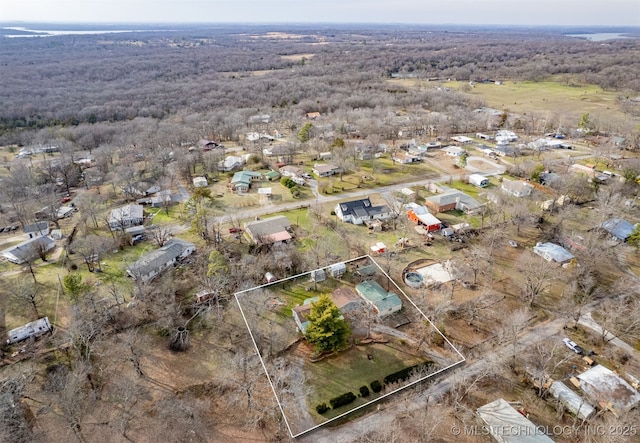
[
  {"x": 505, "y": 151},
  {"x": 359, "y": 211},
  {"x": 517, "y": 188},
  {"x": 200, "y": 182},
  {"x": 272, "y": 230},
  {"x": 65, "y": 211},
  {"x": 278, "y": 151},
  {"x": 291, "y": 171},
  {"x": 418, "y": 150},
  {"x": 384, "y": 303},
  {"x": 504, "y": 137},
  {"x": 462, "y": 139},
  {"x": 130, "y": 215},
  {"x": 325, "y": 170},
  {"x": 608, "y": 390},
  {"x": 155, "y": 262},
  {"x": 230, "y": 163},
  {"x": 553, "y": 252},
  {"x": 421, "y": 216},
  {"x": 152, "y": 190},
  {"x": 452, "y": 200},
  {"x": 208, "y": 145},
  {"x": 618, "y": 228},
  {"x": 32, "y": 329},
  {"x": 271, "y": 175},
  {"x": 241, "y": 180},
  {"x": 28, "y": 250},
  {"x": 404, "y": 157},
  {"x": 161, "y": 199},
  {"x": 255, "y": 136},
  {"x": 38, "y": 229},
  {"x": 344, "y": 298},
  {"x": 453, "y": 151}
]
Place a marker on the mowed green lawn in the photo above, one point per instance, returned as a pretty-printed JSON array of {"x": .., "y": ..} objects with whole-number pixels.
[{"x": 352, "y": 369}]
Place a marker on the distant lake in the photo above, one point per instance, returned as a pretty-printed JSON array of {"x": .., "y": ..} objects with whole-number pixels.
[
  {"x": 599, "y": 36},
  {"x": 50, "y": 33}
]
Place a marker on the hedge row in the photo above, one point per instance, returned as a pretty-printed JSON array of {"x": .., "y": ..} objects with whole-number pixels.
[
  {"x": 405, "y": 373},
  {"x": 376, "y": 387},
  {"x": 342, "y": 400}
]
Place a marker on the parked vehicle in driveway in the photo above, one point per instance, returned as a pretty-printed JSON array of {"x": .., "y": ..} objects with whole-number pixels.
[
  {"x": 573, "y": 346},
  {"x": 234, "y": 230}
]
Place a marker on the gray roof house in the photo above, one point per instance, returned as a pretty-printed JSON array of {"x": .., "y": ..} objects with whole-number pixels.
[
  {"x": 130, "y": 215},
  {"x": 517, "y": 188},
  {"x": 618, "y": 228},
  {"x": 38, "y": 229},
  {"x": 28, "y": 250},
  {"x": 452, "y": 199},
  {"x": 553, "y": 252},
  {"x": 270, "y": 230},
  {"x": 359, "y": 211},
  {"x": 155, "y": 262}
]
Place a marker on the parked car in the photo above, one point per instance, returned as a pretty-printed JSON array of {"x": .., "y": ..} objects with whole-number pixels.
[
  {"x": 513, "y": 243},
  {"x": 235, "y": 230},
  {"x": 571, "y": 345}
]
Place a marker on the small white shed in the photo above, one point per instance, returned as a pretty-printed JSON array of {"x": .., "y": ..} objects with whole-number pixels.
[{"x": 478, "y": 180}]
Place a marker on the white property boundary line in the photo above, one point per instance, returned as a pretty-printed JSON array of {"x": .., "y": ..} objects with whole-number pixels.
[{"x": 264, "y": 366}]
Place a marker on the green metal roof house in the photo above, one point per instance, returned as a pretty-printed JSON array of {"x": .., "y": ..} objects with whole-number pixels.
[
  {"x": 385, "y": 303},
  {"x": 241, "y": 181}
]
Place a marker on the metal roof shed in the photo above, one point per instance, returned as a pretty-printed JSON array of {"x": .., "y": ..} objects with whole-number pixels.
[
  {"x": 572, "y": 401},
  {"x": 507, "y": 425}
]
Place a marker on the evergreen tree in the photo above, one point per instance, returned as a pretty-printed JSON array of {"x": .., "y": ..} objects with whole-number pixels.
[{"x": 327, "y": 330}]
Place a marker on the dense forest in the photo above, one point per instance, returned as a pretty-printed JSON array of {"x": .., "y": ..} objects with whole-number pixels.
[{"x": 69, "y": 80}]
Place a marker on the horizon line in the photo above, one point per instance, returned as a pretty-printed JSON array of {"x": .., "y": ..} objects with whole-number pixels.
[{"x": 308, "y": 23}]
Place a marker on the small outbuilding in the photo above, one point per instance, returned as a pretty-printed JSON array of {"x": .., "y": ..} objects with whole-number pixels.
[
  {"x": 571, "y": 401},
  {"x": 478, "y": 180},
  {"x": 200, "y": 182},
  {"x": 337, "y": 270}
]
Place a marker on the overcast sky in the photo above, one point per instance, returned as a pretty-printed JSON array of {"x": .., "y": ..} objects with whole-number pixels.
[{"x": 503, "y": 12}]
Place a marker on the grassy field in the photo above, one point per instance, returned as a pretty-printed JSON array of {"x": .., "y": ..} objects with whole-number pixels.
[
  {"x": 548, "y": 96},
  {"x": 554, "y": 97}
]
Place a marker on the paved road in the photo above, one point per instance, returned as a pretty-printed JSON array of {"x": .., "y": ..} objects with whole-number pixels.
[{"x": 269, "y": 209}]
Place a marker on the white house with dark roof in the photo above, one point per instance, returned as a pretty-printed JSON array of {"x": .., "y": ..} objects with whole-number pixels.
[
  {"x": 359, "y": 211},
  {"x": 155, "y": 262},
  {"x": 130, "y": 215}
]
